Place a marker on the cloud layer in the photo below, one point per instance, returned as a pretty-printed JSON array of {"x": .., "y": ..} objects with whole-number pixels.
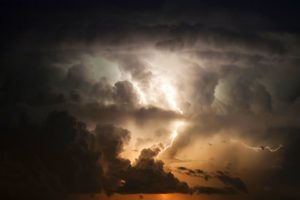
[{"x": 83, "y": 85}]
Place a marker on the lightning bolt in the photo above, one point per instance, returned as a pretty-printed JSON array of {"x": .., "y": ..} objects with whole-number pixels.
[
  {"x": 174, "y": 134},
  {"x": 140, "y": 92},
  {"x": 170, "y": 94},
  {"x": 259, "y": 148},
  {"x": 164, "y": 87}
]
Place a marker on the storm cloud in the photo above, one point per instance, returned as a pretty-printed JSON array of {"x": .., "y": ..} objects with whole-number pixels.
[
  {"x": 82, "y": 85},
  {"x": 148, "y": 176}
]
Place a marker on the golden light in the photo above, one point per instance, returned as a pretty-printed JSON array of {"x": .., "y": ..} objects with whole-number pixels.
[
  {"x": 174, "y": 134},
  {"x": 178, "y": 124},
  {"x": 170, "y": 95}
]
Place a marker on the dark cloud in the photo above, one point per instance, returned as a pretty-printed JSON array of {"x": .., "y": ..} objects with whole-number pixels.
[
  {"x": 148, "y": 176},
  {"x": 195, "y": 173},
  {"x": 285, "y": 175},
  {"x": 60, "y": 156},
  {"x": 232, "y": 181},
  {"x": 48, "y": 160},
  {"x": 142, "y": 177},
  {"x": 94, "y": 112},
  {"x": 110, "y": 141},
  {"x": 232, "y": 185}
]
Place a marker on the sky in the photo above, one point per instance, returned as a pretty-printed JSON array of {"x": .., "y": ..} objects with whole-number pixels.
[{"x": 160, "y": 100}]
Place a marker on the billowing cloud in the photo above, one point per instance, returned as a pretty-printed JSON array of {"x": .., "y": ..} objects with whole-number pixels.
[
  {"x": 132, "y": 72},
  {"x": 62, "y": 156}
]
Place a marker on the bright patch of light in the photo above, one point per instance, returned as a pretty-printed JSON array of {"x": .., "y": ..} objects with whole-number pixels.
[
  {"x": 140, "y": 93},
  {"x": 161, "y": 92},
  {"x": 174, "y": 134},
  {"x": 175, "y": 130},
  {"x": 170, "y": 95}
]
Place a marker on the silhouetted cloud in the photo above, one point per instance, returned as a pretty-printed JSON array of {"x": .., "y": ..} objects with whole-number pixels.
[
  {"x": 50, "y": 159},
  {"x": 148, "y": 176},
  {"x": 235, "y": 182},
  {"x": 232, "y": 184},
  {"x": 196, "y": 173}
]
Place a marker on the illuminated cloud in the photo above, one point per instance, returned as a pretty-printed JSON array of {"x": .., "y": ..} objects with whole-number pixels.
[{"x": 89, "y": 90}]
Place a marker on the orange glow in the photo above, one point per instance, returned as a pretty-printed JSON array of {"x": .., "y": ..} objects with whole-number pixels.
[{"x": 174, "y": 196}]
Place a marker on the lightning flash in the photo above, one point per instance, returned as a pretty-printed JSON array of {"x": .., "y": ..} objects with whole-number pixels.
[{"x": 259, "y": 148}]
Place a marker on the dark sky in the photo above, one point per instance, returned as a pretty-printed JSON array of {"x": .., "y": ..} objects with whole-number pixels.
[{"x": 200, "y": 98}]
